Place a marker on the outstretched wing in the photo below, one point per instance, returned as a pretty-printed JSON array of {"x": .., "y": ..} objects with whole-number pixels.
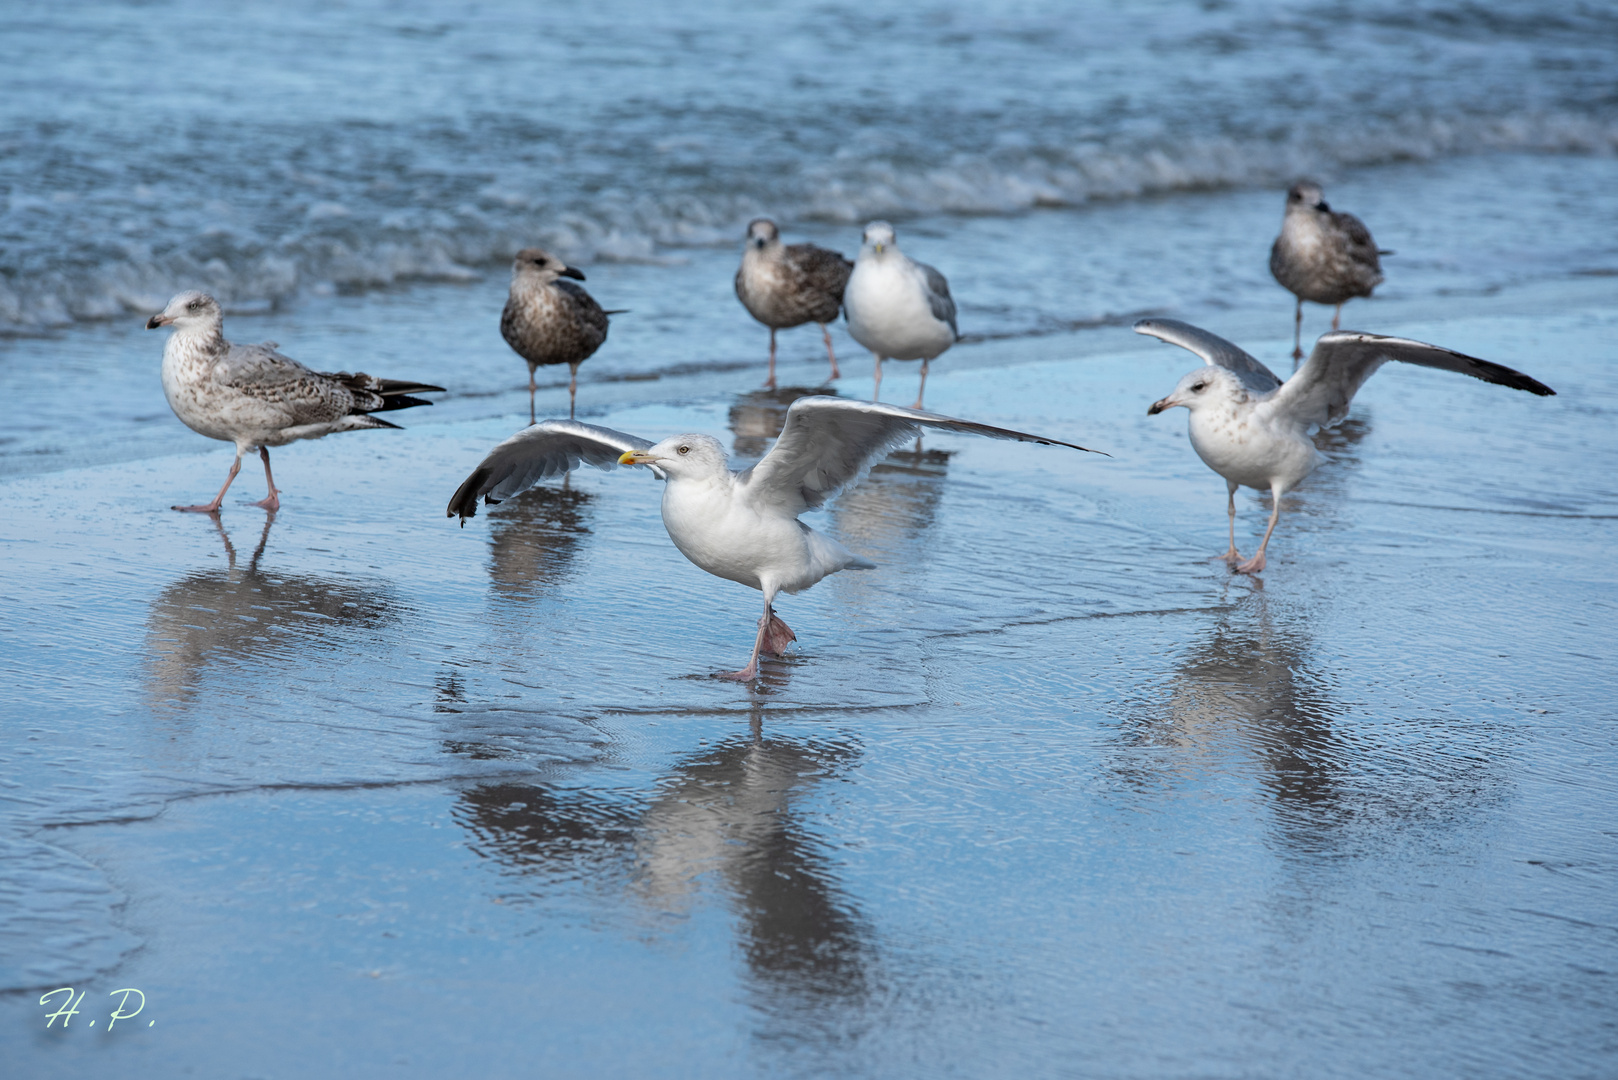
[
  {"x": 828, "y": 443},
  {"x": 548, "y": 448},
  {"x": 938, "y": 297},
  {"x": 1214, "y": 350},
  {"x": 1343, "y": 359}
]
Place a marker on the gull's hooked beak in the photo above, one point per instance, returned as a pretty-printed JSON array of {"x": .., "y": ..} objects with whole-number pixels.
[
  {"x": 158, "y": 320},
  {"x": 573, "y": 272},
  {"x": 636, "y": 457},
  {"x": 1163, "y": 403}
]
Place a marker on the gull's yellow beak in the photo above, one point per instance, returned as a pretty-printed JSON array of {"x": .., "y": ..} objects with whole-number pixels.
[
  {"x": 879, "y": 248},
  {"x": 635, "y": 457}
]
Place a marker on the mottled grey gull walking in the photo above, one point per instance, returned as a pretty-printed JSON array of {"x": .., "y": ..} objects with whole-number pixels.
[
  {"x": 1253, "y": 429},
  {"x": 741, "y": 526},
  {"x": 551, "y": 321},
  {"x": 898, "y": 308},
  {"x": 1322, "y": 256},
  {"x": 251, "y": 395},
  {"x": 783, "y": 286}
]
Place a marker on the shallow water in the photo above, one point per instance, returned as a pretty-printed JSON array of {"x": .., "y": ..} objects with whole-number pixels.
[{"x": 351, "y": 791}]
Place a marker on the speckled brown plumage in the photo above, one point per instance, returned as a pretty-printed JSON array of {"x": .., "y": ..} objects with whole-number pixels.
[
  {"x": 787, "y": 285},
  {"x": 1322, "y": 256},
  {"x": 548, "y": 320}
]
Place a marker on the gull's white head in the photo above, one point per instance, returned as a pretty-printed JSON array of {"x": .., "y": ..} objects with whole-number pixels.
[
  {"x": 879, "y": 237},
  {"x": 189, "y": 310},
  {"x": 761, "y": 233},
  {"x": 541, "y": 264},
  {"x": 1306, "y": 195},
  {"x": 1207, "y": 387},
  {"x": 682, "y": 457}
]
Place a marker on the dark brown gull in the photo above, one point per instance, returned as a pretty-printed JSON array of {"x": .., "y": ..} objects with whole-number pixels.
[
  {"x": 549, "y": 320},
  {"x": 1322, "y": 256},
  {"x": 784, "y": 285},
  {"x": 741, "y": 526},
  {"x": 1253, "y": 429},
  {"x": 252, "y": 395}
]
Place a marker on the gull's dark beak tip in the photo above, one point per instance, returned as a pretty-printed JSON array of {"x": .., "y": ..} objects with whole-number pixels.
[
  {"x": 154, "y": 322},
  {"x": 1154, "y": 408},
  {"x": 573, "y": 272}
]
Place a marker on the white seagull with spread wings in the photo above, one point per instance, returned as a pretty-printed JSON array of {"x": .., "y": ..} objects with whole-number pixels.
[
  {"x": 1253, "y": 429},
  {"x": 741, "y": 526}
]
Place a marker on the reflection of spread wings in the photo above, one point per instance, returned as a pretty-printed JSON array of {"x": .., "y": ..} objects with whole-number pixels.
[
  {"x": 829, "y": 443},
  {"x": 1342, "y": 360},
  {"x": 1214, "y": 350},
  {"x": 548, "y": 448}
]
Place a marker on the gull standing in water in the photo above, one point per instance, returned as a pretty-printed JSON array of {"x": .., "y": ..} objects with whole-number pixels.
[
  {"x": 1322, "y": 256},
  {"x": 898, "y": 308},
  {"x": 741, "y": 526},
  {"x": 1253, "y": 429},
  {"x": 251, "y": 395},
  {"x": 785, "y": 286},
  {"x": 551, "y": 321}
]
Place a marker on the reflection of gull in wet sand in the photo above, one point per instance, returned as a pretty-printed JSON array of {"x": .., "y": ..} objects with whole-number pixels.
[
  {"x": 785, "y": 286},
  {"x": 1253, "y": 430},
  {"x": 742, "y": 526},
  {"x": 251, "y": 395},
  {"x": 533, "y": 539},
  {"x": 897, "y": 307}
]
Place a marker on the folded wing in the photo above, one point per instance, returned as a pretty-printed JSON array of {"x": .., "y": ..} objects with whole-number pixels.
[
  {"x": 828, "y": 444},
  {"x": 548, "y": 448},
  {"x": 1214, "y": 350},
  {"x": 1320, "y": 392}
]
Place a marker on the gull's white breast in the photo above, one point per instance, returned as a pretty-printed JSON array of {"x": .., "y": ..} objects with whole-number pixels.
[
  {"x": 717, "y": 528},
  {"x": 1245, "y": 444}
]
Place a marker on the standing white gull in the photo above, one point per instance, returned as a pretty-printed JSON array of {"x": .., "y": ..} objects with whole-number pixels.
[
  {"x": 784, "y": 286},
  {"x": 251, "y": 395},
  {"x": 741, "y": 526},
  {"x": 898, "y": 308},
  {"x": 1253, "y": 429},
  {"x": 1322, "y": 256}
]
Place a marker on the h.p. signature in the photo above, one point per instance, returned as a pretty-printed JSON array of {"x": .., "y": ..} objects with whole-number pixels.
[{"x": 70, "y": 1006}]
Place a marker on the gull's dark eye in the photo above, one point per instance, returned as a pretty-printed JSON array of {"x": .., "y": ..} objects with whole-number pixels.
[
  {"x": 1199, "y": 387},
  {"x": 685, "y": 449},
  {"x": 194, "y": 305}
]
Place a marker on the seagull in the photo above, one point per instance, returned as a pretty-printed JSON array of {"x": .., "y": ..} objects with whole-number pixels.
[
  {"x": 550, "y": 321},
  {"x": 1322, "y": 256},
  {"x": 1253, "y": 429},
  {"x": 741, "y": 526},
  {"x": 898, "y": 308},
  {"x": 784, "y": 286},
  {"x": 252, "y": 395}
]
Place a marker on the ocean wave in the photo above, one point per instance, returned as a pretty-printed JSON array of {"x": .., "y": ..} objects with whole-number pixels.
[{"x": 367, "y": 236}]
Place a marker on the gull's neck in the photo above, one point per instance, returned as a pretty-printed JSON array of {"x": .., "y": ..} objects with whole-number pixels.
[{"x": 196, "y": 343}]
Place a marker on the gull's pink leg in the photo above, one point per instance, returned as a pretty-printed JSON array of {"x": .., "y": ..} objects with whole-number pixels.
[
  {"x": 876, "y": 391},
  {"x": 272, "y": 501},
  {"x": 572, "y": 388},
  {"x": 922, "y": 389},
  {"x": 213, "y": 507},
  {"x": 1256, "y": 563},
  {"x": 1232, "y": 555},
  {"x": 1297, "y": 334},
  {"x": 769, "y": 384},
  {"x": 825, "y": 333},
  {"x": 778, "y": 636},
  {"x": 1337, "y": 316},
  {"x": 531, "y": 388},
  {"x": 750, "y": 672}
]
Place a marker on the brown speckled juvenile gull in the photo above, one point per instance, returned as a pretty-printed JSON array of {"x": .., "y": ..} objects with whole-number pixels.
[
  {"x": 551, "y": 321},
  {"x": 783, "y": 286},
  {"x": 1322, "y": 256},
  {"x": 251, "y": 395}
]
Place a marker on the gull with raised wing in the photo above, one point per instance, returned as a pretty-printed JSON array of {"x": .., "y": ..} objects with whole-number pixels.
[
  {"x": 897, "y": 307},
  {"x": 1253, "y": 429},
  {"x": 784, "y": 285},
  {"x": 741, "y": 526},
  {"x": 252, "y": 395},
  {"x": 549, "y": 320},
  {"x": 1323, "y": 256}
]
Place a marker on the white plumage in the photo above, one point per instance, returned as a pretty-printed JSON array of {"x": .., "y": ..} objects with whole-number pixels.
[
  {"x": 898, "y": 308},
  {"x": 741, "y": 526},
  {"x": 1254, "y": 430}
]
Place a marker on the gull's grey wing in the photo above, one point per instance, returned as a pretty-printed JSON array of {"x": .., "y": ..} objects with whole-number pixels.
[
  {"x": 938, "y": 297},
  {"x": 1342, "y": 360},
  {"x": 262, "y": 366},
  {"x": 828, "y": 443},
  {"x": 548, "y": 448},
  {"x": 1214, "y": 350}
]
